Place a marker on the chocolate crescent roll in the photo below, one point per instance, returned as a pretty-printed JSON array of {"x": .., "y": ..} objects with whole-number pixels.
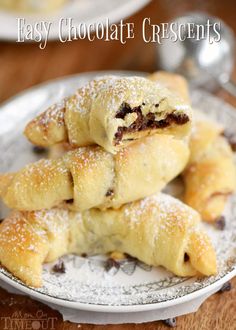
[
  {"x": 210, "y": 176},
  {"x": 91, "y": 177},
  {"x": 112, "y": 112},
  {"x": 158, "y": 230}
]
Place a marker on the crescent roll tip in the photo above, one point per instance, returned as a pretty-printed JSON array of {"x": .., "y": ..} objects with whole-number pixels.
[
  {"x": 48, "y": 128},
  {"x": 22, "y": 248}
]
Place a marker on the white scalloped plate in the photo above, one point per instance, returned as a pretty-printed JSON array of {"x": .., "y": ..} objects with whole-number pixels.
[
  {"x": 132, "y": 285},
  {"x": 81, "y": 11}
]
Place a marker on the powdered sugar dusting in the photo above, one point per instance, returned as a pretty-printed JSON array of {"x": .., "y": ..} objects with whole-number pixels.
[
  {"x": 20, "y": 240},
  {"x": 106, "y": 94},
  {"x": 55, "y": 114},
  {"x": 86, "y": 280},
  {"x": 86, "y": 284}
]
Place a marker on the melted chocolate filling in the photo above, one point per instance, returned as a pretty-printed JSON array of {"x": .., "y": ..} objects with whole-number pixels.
[
  {"x": 59, "y": 267},
  {"x": 146, "y": 122}
]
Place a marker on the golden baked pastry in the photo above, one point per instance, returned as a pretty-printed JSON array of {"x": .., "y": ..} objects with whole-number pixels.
[
  {"x": 158, "y": 230},
  {"x": 31, "y": 5},
  {"x": 204, "y": 132},
  {"x": 210, "y": 176},
  {"x": 112, "y": 112},
  {"x": 174, "y": 82},
  {"x": 91, "y": 177}
]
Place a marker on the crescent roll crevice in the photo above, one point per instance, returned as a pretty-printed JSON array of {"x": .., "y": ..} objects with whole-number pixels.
[
  {"x": 158, "y": 230},
  {"x": 210, "y": 176},
  {"x": 112, "y": 112},
  {"x": 91, "y": 177},
  {"x": 58, "y": 150}
]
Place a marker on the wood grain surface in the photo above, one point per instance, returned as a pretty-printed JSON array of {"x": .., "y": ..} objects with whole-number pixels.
[{"x": 25, "y": 65}]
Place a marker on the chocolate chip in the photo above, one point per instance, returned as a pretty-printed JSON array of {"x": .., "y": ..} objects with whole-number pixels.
[
  {"x": 111, "y": 263},
  {"x": 225, "y": 287},
  {"x": 1, "y": 220},
  {"x": 130, "y": 258},
  {"x": 70, "y": 201},
  {"x": 157, "y": 105},
  {"x": 143, "y": 103},
  {"x": 59, "y": 267},
  {"x": 84, "y": 255},
  {"x": 172, "y": 323},
  {"x": 186, "y": 257},
  {"x": 220, "y": 223},
  {"x": 39, "y": 150},
  {"x": 109, "y": 192}
]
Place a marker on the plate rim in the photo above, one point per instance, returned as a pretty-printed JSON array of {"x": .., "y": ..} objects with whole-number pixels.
[
  {"x": 118, "y": 308},
  {"x": 95, "y": 307}
]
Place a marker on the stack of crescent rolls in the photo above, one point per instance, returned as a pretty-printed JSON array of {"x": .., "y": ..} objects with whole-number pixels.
[{"x": 114, "y": 145}]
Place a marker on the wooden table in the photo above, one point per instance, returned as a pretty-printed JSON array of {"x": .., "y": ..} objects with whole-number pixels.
[{"x": 25, "y": 65}]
